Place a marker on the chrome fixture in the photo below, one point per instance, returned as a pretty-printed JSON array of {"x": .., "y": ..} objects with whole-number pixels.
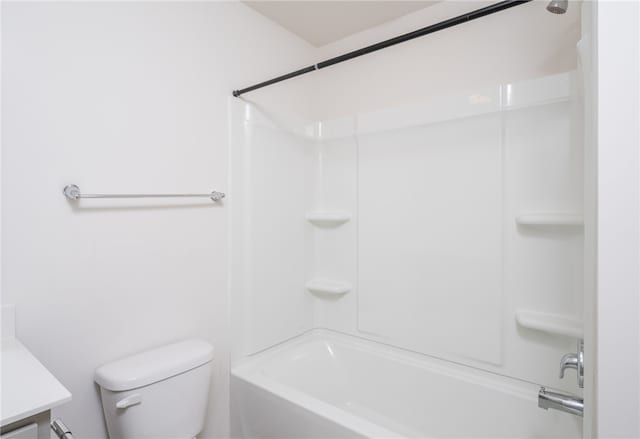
[
  {"x": 72, "y": 192},
  {"x": 61, "y": 430},
  {"x": 560, "y": 401},
  {"x": 574, "y": 361},
  {"x": 558, "y": 6}
]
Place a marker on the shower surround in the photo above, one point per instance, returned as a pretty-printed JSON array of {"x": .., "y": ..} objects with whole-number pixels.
[{"x": 435, "y": 247}]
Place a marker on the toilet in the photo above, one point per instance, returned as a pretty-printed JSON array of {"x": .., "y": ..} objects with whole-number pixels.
[{"x": 161, "y": 393}]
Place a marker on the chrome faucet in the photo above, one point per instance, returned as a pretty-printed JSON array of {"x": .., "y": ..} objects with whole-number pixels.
[
  {"x": 574, "y": 361},
  {"x": 561, "y": 401}
]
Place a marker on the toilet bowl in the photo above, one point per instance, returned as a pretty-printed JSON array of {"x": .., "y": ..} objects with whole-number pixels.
[{"x": 161, "y": 393}]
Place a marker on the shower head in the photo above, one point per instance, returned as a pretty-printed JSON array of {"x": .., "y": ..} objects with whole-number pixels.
[{"x": 558, "y": 6}]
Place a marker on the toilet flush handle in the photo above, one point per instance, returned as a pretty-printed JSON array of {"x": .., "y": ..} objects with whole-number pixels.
[{"x": 134, "y": 399}]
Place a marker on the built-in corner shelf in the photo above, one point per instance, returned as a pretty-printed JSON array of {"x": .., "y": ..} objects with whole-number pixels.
[
  {"x": 550, "y": 219},
  {"x": 557, "y": 324},
  {"x": 328, "y": 288},
  {"x": 328, "y": 218}
]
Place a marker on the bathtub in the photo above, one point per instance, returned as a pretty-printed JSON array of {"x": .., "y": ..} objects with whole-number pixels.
[{"x": 329, "y": 385}]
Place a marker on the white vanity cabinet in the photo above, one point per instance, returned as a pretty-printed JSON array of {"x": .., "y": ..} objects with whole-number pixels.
[
  {"x": 28, "y": 390},
  {"x": 29, "y": 431}
]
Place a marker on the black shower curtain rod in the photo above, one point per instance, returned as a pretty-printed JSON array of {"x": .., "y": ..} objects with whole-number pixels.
[{"x": 488, "y": 10}]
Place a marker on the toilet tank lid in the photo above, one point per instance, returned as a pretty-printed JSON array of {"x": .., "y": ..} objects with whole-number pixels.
[{"x": 154, "y": 365}]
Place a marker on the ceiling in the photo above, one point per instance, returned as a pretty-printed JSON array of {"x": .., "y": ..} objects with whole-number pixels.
[{"x": 323, "y": 22}]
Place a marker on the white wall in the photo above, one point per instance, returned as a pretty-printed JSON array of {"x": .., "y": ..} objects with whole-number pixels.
[
  {"x": 523, "y": 42},
  {"x": 122, "y": 97},
  {"x": 617, "y": 67}
]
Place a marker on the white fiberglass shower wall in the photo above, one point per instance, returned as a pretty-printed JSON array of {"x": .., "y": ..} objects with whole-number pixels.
[{"x": 450, "y": 230}]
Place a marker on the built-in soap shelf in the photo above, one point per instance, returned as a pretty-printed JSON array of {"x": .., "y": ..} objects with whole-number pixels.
[
  {"x": 557, "y": 324},
  {"x": 328, "y": 218},
  {"x": 550, "y": 219},
  {"x": 328, "y": 288}
]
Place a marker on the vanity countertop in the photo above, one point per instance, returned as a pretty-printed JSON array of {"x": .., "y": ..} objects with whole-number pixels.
[{"x": 27, "y": 387}]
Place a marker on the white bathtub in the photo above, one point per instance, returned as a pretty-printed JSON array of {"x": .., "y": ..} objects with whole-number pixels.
[{"x": 328, "y": 385}]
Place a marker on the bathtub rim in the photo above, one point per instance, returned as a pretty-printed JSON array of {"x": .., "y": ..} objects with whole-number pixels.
[
  {"x": 250, "y": 370},
  {"x": 252, "y": 363}
]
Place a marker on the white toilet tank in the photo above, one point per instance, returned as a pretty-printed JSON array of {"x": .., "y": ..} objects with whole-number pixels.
[{"x": 161, "y": 393}]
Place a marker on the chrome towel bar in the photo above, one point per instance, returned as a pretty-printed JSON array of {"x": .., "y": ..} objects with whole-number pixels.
[{"x": 72, "y": 192}]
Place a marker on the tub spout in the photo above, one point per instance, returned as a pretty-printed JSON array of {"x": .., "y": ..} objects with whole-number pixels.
[{"x": 560, "y": 401}]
